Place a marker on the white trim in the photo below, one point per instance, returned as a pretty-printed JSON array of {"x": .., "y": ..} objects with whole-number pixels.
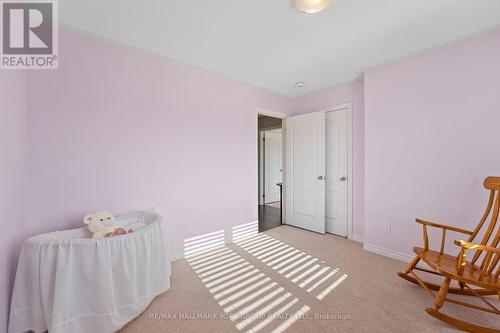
[
  {"x": 176, "y": 256},
  {"x": 271, "y": 113},
  {"x": 260, "y": 172},
  {"x": 387, "y": 252},
  {"x": 356, "y": 238},
  {"x": 334, "y": 108},
  {"x": 400, "y": 256}
]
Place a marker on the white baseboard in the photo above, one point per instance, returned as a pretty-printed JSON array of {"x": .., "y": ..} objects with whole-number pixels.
[
  {"x": 177, "y": 256},
  {"x": 406, "y": 258},
  {"x": 387, "y": 252},
  {"x": 356, "y": 238}
]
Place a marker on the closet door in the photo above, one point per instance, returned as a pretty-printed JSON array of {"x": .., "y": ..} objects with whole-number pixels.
[
  {"x": 336, "y": 172},
  {"x": 305, "y": 171}
]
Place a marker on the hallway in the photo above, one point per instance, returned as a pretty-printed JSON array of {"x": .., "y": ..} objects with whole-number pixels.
[{"x": 269, "y": 217}]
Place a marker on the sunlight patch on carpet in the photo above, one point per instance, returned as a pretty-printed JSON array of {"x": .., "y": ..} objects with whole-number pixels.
[
  {"x": 301, "y": 268},
  {"x": 246, "y": 295}
]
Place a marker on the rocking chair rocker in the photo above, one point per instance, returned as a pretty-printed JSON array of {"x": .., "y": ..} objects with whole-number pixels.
[{"x": 481, "y": 272}]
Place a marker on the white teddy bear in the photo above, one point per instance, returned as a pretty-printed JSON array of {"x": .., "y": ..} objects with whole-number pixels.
[{"x": 103, "y": 224}]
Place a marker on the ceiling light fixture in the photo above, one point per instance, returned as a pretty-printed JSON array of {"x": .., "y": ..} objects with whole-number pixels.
[
  {"x": 300, "y": 84},
  {"x": 311, "y": 6}
]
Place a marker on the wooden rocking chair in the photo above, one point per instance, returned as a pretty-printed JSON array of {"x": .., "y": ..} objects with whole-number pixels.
[{"x": 481, "y": 271}]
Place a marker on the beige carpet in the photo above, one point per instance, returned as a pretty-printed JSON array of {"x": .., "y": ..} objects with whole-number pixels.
[{"x": 371, "y": 298}]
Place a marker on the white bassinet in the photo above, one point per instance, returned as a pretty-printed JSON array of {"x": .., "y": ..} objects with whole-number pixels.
[{"x": 68, "y": 282}]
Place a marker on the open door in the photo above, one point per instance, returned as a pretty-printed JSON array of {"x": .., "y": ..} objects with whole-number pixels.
[
  {"x": 272, "y": 165},
  {"x": 305, "y": 171}
]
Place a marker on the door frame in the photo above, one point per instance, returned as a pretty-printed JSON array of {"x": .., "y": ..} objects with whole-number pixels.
[
  {"x": 262, "y": 160},
  {"x": 282, "y": 116},
  {"x": 332, "y": 108},
  {"x": 348, "y": 107}
]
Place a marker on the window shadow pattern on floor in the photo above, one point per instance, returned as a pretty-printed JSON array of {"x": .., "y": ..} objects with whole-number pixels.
[
  {"x": 301, "y": 268},
  {"x": 249, "y": 298}
]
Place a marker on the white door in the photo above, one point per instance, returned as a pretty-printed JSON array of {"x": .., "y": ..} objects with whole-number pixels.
[
  {"x": 305, "y": 171},
  {"x": 261, "y": 167},
  {"x": 336, "y": 172},
  {"x": 272, "y": 161}
]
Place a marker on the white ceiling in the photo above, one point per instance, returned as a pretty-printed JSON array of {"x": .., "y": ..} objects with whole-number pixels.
[{"x": 270, "y": 44}]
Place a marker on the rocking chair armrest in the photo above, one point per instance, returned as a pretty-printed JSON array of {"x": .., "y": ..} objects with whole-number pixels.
[
  {"x": 469, "y": 245},
  {"x": 443, "y": 226}
]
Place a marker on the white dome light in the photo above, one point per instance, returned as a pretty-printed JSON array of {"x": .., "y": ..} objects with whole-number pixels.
[{"x": 311, "y": 6}]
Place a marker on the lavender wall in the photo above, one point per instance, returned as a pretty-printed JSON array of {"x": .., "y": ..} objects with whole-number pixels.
[
  {"x": 349, "y": 92},
  {"x": 12, "y": 179},
  {"x": 119, "y": 129},
  {"x": 432, "y": 135}
]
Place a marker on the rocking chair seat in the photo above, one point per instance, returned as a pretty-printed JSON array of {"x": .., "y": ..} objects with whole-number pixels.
[{"x": 447, "y": 266}]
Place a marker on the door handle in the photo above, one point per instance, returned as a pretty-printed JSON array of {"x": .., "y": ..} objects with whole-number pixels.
[
  {"x": 343, "y": 179},
  {"x": 321, "y": 177}
]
